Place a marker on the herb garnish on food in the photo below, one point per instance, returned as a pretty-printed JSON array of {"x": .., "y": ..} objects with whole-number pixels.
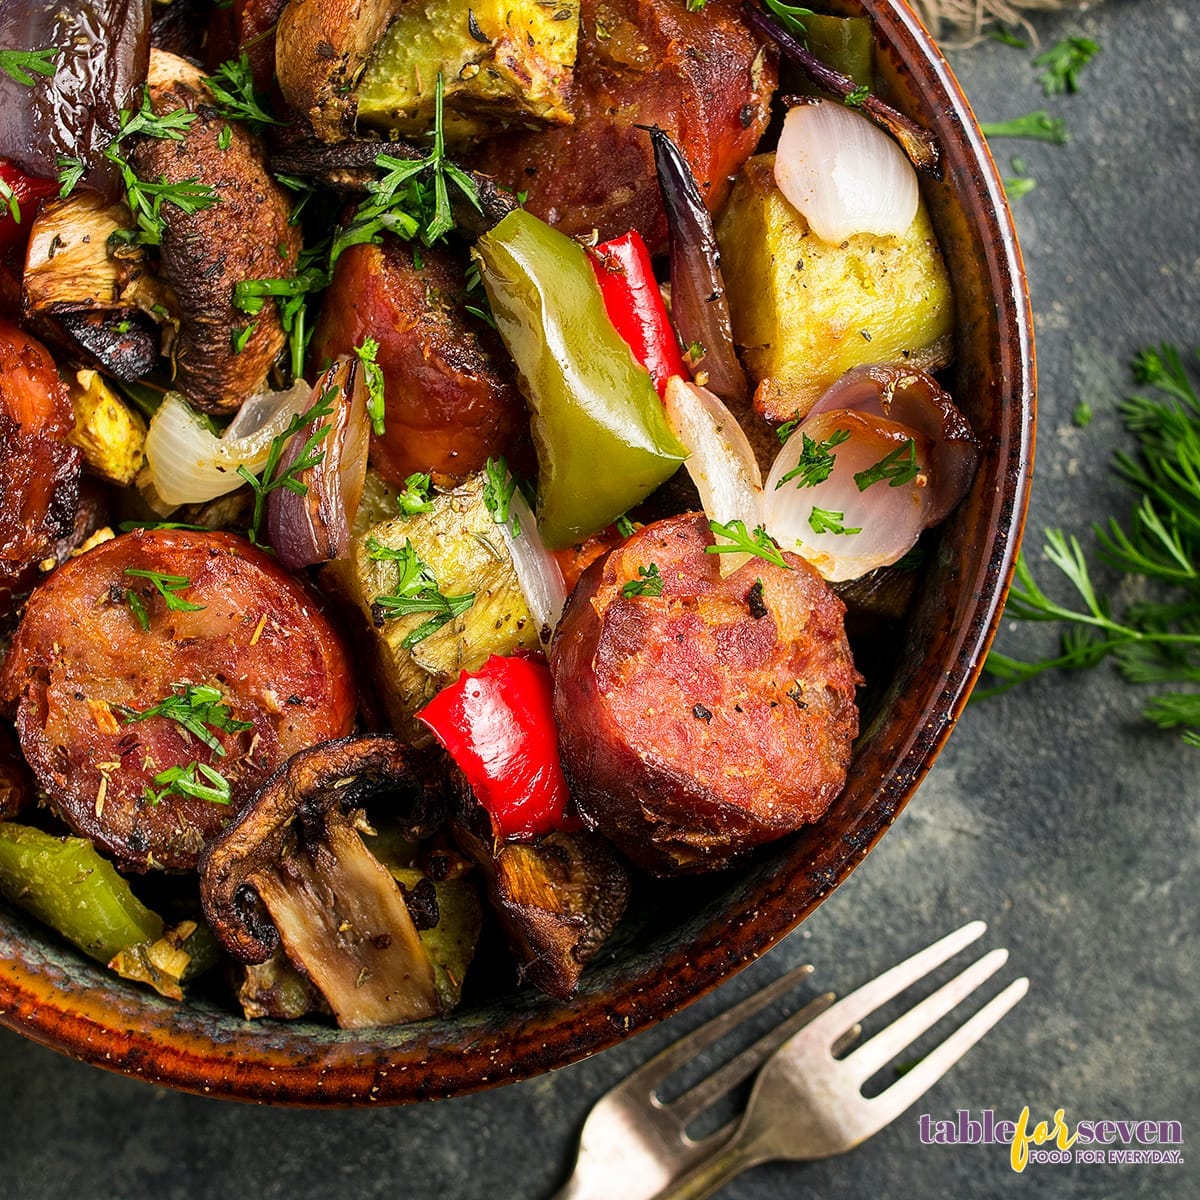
[
  {"x": 22, "y": 65},
  {"x": 1063, "y": 62},
  {"x": 1155, "y": 639},
  {"x": 1039, "y": 126},
  {"x": 758, "y": 543},
  {"x": 898, "y": 468},
  {"x": 197, "y": 709},
  {"x": 182, "y": 781},
  {"x": 374, "y": 376},
  {"x": 816, "y": 460},
  {"x": 826, "y": 520},
  {"x": 168, "y": 586},
  {"x": 648, "y": 583},
  {"x": 416, "y": 592}
]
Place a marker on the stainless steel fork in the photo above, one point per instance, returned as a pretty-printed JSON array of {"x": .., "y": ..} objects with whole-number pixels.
[{"x": 806, "y": 1102}]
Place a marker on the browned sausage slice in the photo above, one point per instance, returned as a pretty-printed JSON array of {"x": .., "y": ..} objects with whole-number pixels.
[
  {"x": 39, "y": 471},
  {"x": 81, "y": 663},
  {"x": 704, "y": 721}
]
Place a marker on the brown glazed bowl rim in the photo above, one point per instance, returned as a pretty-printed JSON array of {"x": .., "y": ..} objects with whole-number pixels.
[{"x": 53, "y": 995}]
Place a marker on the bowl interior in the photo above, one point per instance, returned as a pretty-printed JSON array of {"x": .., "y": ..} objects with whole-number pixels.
[{"x": 696, "y": 932}]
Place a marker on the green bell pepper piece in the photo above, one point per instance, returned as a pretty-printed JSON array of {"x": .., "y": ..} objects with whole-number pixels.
[
  {"x": 845, "y": 43},
  {"x": 64, "y": 882},
  {"x": 602, "y": 441}
]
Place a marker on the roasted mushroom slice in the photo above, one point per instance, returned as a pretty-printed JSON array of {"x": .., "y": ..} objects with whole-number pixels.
[
  {"x": 321, "y": 50},
  {"x": 557, "y": 899},
  {"x": 293, "y": 868},
  {"x": 205, "y": 254}
]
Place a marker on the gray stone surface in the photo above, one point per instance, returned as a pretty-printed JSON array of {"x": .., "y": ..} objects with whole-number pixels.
[{"x": 1053, "y": 812}]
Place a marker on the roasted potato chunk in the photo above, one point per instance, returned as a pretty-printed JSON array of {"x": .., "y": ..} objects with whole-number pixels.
[
  {"x": 805, "y": 312},
  {"x": 109, "y": 433},
  {"x": 499, "y": 61},
  {"x": 460, "y": 545}
]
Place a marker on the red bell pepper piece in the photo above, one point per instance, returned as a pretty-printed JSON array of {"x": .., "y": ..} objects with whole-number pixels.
[
  {"x": 635, "y": 306},
  {"x": 26, "y": 189},
  {"x": 497, "y": 724}
]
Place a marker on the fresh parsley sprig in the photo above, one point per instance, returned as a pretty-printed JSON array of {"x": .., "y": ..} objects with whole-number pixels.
[
  {"x": 376, "y": 402},
  {"x": 790, "y": 16},
  {"x": 499, "y": 487},
  {"x": 232, "y": 86},
  {"x": 310, "y": 455},
  {"x": 741, "y": 541},
  {"x": 198, "y": 709},
  {"x": 23, "y": 66},
  {"x": 826, "y": 520},
  {"x": 648, "y": 583},
  {"x": 817, "y": 460},
  {"x": 898, "y": 467},
  {"x": 167, "y": 586},
  {"x": 183, "y": 781},
  {"x": 413, "y": 498},
  {"x": 416, "y": 592},
  {"x": 1039, "y": 126},
  {"x": 1063, "y": 62},
  {"x": 1155, "y": 640}
]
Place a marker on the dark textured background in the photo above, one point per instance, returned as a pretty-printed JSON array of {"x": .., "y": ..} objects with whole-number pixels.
[{"x": 1053, "y": 812}]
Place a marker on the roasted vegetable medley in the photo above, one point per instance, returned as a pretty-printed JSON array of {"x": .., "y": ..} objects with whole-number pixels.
[{"x": 438, "y": 444}]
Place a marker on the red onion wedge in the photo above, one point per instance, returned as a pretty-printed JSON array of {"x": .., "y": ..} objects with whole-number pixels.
[
  {"x": 95, "y": 58},
  {"x": 699, "y": 309},
  {"x": 819, "y": 500},
  {"x": 912, "y": 397},
  {"x": 309, "y": 522}
]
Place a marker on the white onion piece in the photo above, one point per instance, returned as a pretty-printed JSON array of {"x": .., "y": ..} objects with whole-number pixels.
[
  {"x": 889, "y": 519},
  {"x": 188, "y": 464},
  {"x": 720, "y": 460},
  {"x": 843, "y": 174},
  {"x": 537, "y": 569},
  {"x": 912, "y": 397}
]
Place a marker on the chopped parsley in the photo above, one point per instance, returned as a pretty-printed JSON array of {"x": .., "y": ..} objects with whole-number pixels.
[
  {"x": 374, "y": 375},
  {"x": 414, "y": 498},
  {"x": 625, "y": 527},
  {"x": 22, "y": 65},
  {"x": 8, "y": 199},
  {"x": 790, "y": 16},
  {"x": 858, "y": 97},
  {"x": 197, "y": 709},
  {"x": 649, "y": 583},
  {"x": 1063, "y": 62},
  {"x": 898, "y": 467},
  {"x": 1040, "y": 126},
  {"x": 70, "y": 172},
  {"x": 758, "y": 543},
  {"x": 786, "y": 430},
  {"x": 824, "y": 520},
  {"x": 499, "y": 486},
  {"x": 168, "y": 587},
  {"x": 240, "y": 338},
  {"x": 1081, "y": 415},
  {"x": 232, "y": 86},
  {"x": 816, "y": 460},
  {"x": 416, "y": 592},
  {"x": 182, "y": 781},
  {"x": 309, "y": 456}
]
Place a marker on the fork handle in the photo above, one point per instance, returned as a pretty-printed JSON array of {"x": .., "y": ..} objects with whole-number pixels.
[{"x": 737, "y": 1155}]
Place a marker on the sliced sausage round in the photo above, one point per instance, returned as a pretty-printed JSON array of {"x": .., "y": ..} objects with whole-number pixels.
[
  {"x": 39, "y": 471},
  {"x": 700, "y": 722},
  {"x": 137, "y": 621}
]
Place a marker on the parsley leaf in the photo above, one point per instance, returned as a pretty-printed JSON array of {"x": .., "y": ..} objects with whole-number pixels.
[
  {"x": 8, "y": 199},
  {"x": 22, "y": 65},
  {"x": 898, "y": 467},
  {"x": 649, "y": 583},
  {"x": 415, "y": 496},
  {"x": 816, "y": 460},
  {"x": 168, "y": 587},
  {"x": 758, "y": 543},
  {"x": 182, "y": 781},
  {"x": 197, "y": 709},
  {"x": 416, "y": 592},
  {"x": 374, "y": 375},
  {"x": 825, "y": 520},
  {"x": 1156, "y": 639},
  {"x": 232, "y": 86},
  {"x": 499, "y": 486},
  {"x": 1039, "y": 126},
  {"x": 1063, "y": 62},
  {"x": 790, "y": 16}
]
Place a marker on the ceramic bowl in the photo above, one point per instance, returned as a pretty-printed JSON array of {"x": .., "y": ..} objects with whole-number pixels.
[{"x": 686, "y": 937}]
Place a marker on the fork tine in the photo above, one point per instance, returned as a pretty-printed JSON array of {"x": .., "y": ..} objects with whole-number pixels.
[
  {"x": 652, "y": 1072},
  {"x": 903, "y": 1031},
  {"x": 888, "y": 1105},
  {"x": 852, "y": 1008},
  {"x": 696, "y": 1099}
]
